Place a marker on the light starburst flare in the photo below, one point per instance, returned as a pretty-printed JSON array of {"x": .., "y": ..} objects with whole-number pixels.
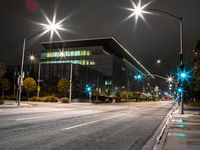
[
  {"x": 170, "y": 79},
  {"x": 52, "y": 26},
  {"x": 138, "y": 10}
]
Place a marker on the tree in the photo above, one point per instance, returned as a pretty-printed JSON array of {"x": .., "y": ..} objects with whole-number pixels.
[
  {"x": 192, "y": 91},
  {"x": 2, "y": 70},
  {"x": 29, "y": 85},
  {"x": 196, "y": 64},
  {"x": 63, "y": 86},
  {"x": 5, "y": 86}
]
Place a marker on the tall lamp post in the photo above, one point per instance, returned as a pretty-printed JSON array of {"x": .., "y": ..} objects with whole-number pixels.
[
  {"x": 38, "y": 81},
  {"x": 139, "y": 10},
  {"x": 52, "y": 27},
  {"x": 70, "y": 86},
  {"x": 21, "y": 72}
]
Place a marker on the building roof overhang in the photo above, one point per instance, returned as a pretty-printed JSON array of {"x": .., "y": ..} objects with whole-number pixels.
[{"x": 110, "y": 45}]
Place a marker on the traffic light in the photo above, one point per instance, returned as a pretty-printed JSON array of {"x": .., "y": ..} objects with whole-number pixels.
[
  {"x": 138, "y": 77},
  {"x": 183, "y": 74},
  {"x": 88, "y": 89},
  {"x": 180, "y": 90}
]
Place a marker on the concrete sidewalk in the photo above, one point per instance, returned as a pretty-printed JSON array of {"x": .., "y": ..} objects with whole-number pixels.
[
  {"x": 13, "y": 104},
  {"x": 183, "y": 131}
]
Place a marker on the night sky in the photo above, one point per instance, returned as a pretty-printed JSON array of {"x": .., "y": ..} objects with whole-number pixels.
[{"x": 158, "y": 39}]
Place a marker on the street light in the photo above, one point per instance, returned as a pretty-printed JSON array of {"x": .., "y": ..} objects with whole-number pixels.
[
  {"x": 38, "y": 81},
  {"x": 52, "y": 27},
  {"x": 170, "y": 79},
  {"x": 31, "y": 57},
  {"x": 158, "y": 61},
  {"x": 139, "y": 10}
]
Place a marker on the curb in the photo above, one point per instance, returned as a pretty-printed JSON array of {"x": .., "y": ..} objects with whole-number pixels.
[
  {"x": 155, "y": 139},
  {"x": 163, "y": 131}
]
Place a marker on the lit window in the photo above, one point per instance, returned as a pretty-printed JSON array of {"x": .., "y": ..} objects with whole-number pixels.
[{"x": 108, "y": 82}]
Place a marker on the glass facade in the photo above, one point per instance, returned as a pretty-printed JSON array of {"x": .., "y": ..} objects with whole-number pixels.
[
  {"x": 74, "y": 53},
  {"x": 108, "y": 82},
  {"x": 54, "y": 57},
  {"x": 81, "y": 62}
]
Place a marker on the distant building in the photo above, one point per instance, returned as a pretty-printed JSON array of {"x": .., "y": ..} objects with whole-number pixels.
[
  {"x": 101, "y": 62},
  {"x": 106, "y": 55}
]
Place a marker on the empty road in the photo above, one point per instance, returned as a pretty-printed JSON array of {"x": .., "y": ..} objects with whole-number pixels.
[{"x": 124, "y": 126}]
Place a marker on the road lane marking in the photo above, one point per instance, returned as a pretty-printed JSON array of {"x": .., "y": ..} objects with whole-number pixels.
[
  {"x": 92, "y": 122},
  {"x": 30, "y": 118},
  {"x": 86, "y": 112}
]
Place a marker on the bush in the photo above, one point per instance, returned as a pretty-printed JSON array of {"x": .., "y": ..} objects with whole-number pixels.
[
  {"x": 193, "y": 104},
  {"x": 45, "y": 99},
  {"x": 1, "y": 102},
  {"x": 65, "y": 100},
  {"x": 34, "y": 98},
  {"x": 49, "y": 99}
]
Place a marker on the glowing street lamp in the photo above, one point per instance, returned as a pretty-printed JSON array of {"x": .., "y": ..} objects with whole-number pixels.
[
  {"x": 52, "y": 27},
  {"x": 32, "y": 58},
  {"x": 139, "y": 10},
  {"x": 158, "y": 61},
  {"x": 170, "y": 79}
]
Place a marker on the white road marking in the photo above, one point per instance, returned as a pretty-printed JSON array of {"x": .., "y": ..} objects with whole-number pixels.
[
  {"x": 0, "y": 110},
  {"x": 92, "y": 122},
  {"x": 84, "y": 112},
  {"x": 30, "y": 118}
]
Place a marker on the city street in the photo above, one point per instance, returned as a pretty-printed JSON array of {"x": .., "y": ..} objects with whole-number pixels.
[{"x": 123, "y": 126}]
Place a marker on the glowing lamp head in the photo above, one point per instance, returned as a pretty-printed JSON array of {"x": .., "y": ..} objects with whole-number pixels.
[
  {"x": 52, "y": 26},
  {"x": 62, "y": 54},
  {"x": 158, "y": 61},
  {"x": 31, "y": 57},
  {"x": 170, "y": 79},
  {"x": 138, "y": 10}
]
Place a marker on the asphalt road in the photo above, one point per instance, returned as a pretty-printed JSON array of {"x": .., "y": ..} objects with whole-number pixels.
[{"x": 125, "y": 126}]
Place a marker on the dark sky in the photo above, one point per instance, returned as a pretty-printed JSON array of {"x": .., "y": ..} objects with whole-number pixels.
[{"x": 101, "y": 18}]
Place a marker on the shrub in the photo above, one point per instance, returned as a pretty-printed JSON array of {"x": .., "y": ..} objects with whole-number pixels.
[
  {"x": 65, "y": 100},
  {"x": 49, "y": 99},
  {"x": 193, "y": 104},
  {"x": 34, "y": 98}
]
